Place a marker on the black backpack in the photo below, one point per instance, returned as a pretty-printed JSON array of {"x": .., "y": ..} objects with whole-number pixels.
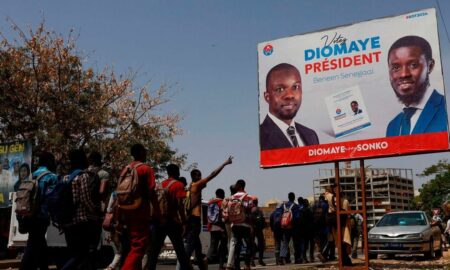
[
  {"x": 259, "y": 220},
  {"x": 60, "y": 201}
]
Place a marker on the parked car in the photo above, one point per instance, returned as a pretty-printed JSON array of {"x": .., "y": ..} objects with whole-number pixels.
[{"x": 408, "y": 232}]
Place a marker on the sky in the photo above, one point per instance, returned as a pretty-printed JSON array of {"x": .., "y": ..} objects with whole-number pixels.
[{"x": 207, "y": 51}]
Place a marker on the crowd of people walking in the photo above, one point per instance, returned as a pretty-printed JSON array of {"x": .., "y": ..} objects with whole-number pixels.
[
  {"x": 312, "y": 229},
  {"x": 139, "y": 213}
]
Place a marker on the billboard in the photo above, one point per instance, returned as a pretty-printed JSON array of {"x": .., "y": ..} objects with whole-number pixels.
[
  {"x": 369, "y": 89},
  {"x": 13, "y": 156}
]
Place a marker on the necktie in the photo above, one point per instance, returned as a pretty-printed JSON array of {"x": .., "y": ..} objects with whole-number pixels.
[
  {"x": 291, "y": 133},
  {"x": 406, "y": 122}
]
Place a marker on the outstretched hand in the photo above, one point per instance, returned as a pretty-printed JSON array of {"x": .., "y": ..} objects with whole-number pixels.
[{"x": 229, "y": 160}]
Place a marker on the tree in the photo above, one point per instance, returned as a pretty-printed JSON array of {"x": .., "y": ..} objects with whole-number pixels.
[
  {"x": 49, "y": 97},
  {"x": 441, "y": 167},
  {"x": 415, "y": 203},
  {"x": 435, "y": 190}
]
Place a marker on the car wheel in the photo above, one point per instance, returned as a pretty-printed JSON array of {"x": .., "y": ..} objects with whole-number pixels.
[
  {"x": 373, "y": 256},
  {"x": 430, "y": 254}
]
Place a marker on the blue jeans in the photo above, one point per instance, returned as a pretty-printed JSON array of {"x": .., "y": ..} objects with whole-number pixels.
[
  {"x": 301, "y": 247},
  {"x": 278, "y": 238},
  {"x": 286, "y": 239}
]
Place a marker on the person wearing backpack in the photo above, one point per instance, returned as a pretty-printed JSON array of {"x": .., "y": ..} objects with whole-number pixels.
[
  {"x": 82, "y": 232},
  {"x": 174, "y": 224},
  {"x": 194, "y": 210},
  {"x": 134, "y": 188},
  {"x": 237, "y": 211},
  {"x": 258, "y": 223},
  {"x": 36, "y": 254},
  {"x": 231, "y": 245},
  {"x": 218, "y": 236},
  {"x": 275, "y": 226},
  {"x": 288, "y": 225}
]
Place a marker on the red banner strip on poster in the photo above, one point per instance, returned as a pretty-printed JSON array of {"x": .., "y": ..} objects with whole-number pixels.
[{"x": 392, "y": 146}]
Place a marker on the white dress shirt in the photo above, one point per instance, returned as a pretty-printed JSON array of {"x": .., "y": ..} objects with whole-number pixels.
[
  {"x": 419, "y": 106},
  {"x": 283, "y": 126}
]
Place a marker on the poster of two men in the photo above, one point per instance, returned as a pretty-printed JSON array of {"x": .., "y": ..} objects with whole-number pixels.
[{"x": 370, "y": 89}]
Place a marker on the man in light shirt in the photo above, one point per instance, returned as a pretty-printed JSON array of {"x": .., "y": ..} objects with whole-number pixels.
[
  {"x": 241, "y": 230},
  {"x": 410, "y": 64},
  {"x": 284, "y": 96}
]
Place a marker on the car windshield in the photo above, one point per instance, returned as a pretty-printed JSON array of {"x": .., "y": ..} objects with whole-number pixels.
[{"x": 403, "y": 219}]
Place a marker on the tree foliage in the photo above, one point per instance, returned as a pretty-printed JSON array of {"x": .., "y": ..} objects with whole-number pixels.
[
  {"x": 435, "y": 190},
  {"x": 441, "y": 167},
  {"x": 49, "y": 97}
]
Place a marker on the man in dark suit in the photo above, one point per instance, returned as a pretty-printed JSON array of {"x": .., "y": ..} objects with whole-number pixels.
[
  {"x": 410, "y": 64},
  {"x": 355, "y": 107},
  {"x": 284, "y": 96}
]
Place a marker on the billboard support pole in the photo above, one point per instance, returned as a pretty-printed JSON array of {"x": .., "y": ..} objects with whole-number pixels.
[
  {"x": 364, "y": 212},
  {"x": 338, "y": 241},
  {"x": 339, "y": 212}
]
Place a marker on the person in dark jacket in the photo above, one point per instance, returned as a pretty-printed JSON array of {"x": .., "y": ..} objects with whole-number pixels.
[
  {"x": 259, "y": 223},
  {"x": 36, "y": 254},
  {"x": 320, "y": 230},
  {"x": 275, "y": 226},
  {"x": 307, "y": 225}
]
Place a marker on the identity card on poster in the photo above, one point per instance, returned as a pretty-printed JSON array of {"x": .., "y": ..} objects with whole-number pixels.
[{"x": 347, "y": 111}]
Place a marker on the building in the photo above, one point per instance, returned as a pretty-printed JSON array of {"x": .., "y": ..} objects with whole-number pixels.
[{"x": 387, "y": 189}]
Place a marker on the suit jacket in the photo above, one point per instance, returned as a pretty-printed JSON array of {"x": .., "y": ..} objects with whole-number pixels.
[
  {"x": 358, "y": 112},
  {"x": 432, "y": 119},
  {"x": 272, "y": 137}
]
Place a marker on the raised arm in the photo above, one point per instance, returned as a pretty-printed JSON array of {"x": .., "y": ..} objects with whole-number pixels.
[{"x": 216, "y": 171}]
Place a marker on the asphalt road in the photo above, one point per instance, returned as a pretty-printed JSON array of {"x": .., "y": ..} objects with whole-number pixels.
[
  {"x": 404, "y": 262},
  {"x": 270, "y": 264},
  {"x": 269, "y": 259}
]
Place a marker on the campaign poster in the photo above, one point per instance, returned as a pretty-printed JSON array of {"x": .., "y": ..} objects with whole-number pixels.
[
  {"x": 15, "y": 159},
  {"x": 365, "y": 90}
]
